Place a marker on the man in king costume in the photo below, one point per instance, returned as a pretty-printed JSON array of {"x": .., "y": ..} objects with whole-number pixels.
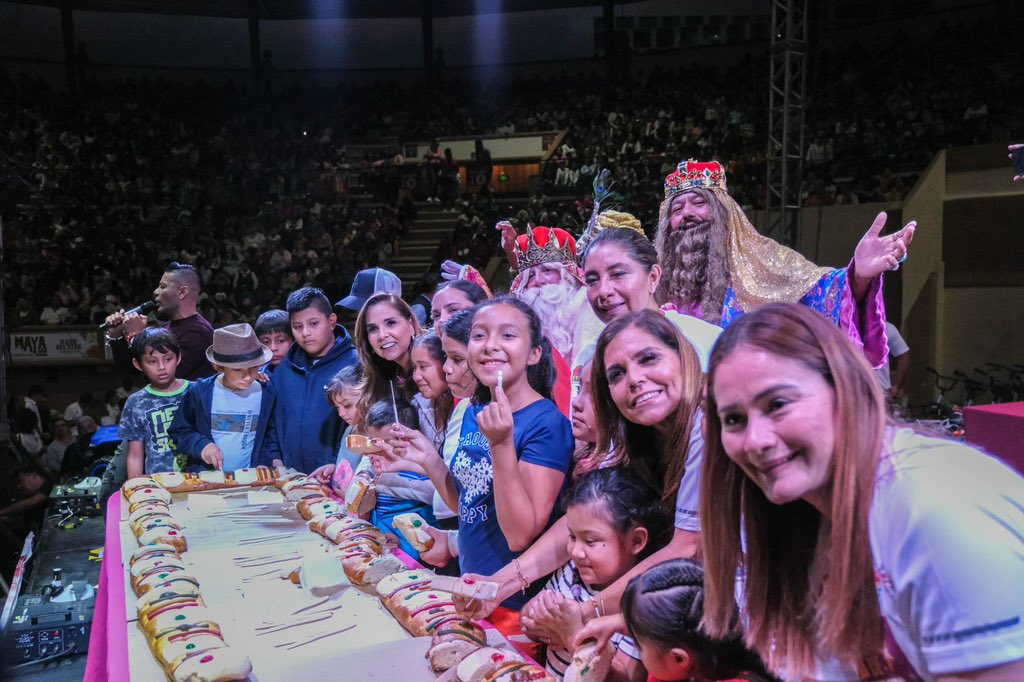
[{"x": 717, "y": 266}]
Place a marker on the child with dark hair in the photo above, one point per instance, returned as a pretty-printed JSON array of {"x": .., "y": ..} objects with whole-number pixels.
[
  {"x": 342, "y": 392},
  {"x": 308, "y": 428},
  {"x": 615, "y": 520},
  {"x": 402, "y": 492},
  {"x": 147, "y": 415},
  {"x": 274, "y": 331},
  {"x": 662, "y": 609}
]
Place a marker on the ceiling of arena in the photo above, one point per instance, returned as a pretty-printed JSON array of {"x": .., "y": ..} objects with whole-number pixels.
[{"x": 317, "y": 9}]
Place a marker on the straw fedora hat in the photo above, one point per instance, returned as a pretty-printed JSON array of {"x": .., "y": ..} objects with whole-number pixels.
[{"x": 236, "y": 347}]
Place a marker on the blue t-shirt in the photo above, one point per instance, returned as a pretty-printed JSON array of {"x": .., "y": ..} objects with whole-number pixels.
[{"x": 542, "y": 436}]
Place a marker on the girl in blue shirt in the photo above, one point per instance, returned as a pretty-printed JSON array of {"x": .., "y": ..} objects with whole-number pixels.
[{"x": 515, "y": 449}]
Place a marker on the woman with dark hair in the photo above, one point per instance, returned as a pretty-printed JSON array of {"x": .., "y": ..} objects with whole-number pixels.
[
  {"x": 849, "y": 524},
  {"x": 621, "y": 273},
  {"x": 452, "y": 297},
  {"x": 385, "y": 329}
]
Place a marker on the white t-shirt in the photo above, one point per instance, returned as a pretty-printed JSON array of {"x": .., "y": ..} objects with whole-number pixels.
[
  {"x": 897, "y": 347},
  {"x": 425, "y": 412},
  {"x": 701, "y": 335},
  {"x": 451, "y": 446},
  {"x": 688, "y": 497},
  {"x": 947, "y": 535},
  {"x": 234, "y": 416}
]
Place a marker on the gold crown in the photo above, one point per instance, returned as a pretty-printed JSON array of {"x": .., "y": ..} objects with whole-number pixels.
[
  {"x": 542, "y": 245},
  {"x": 694, "y": 175}
]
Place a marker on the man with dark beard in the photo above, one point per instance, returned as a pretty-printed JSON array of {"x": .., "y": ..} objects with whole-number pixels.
[{"x": 717, "y": 266}]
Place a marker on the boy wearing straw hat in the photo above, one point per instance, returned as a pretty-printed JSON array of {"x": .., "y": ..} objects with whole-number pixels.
[{"x": 227, "y": 420}]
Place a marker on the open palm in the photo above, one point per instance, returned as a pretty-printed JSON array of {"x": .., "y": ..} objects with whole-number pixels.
[{"x": 876, "y": 253}]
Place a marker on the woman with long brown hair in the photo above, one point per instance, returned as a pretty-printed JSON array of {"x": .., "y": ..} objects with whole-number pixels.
[
  {"x": 385, "y": 329},
  {"x": 849, "y": 524}
]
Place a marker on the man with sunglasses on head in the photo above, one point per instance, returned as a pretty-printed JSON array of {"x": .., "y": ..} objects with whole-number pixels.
[{"x": 176, "y": 298}]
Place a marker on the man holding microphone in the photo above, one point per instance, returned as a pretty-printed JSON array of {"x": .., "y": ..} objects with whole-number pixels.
[{"x": 176, "y": 298}]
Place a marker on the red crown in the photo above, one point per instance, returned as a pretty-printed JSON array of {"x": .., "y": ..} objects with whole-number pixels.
[
  {"x": 536, "y": 247},
  {"x": 694, "y": 175}
]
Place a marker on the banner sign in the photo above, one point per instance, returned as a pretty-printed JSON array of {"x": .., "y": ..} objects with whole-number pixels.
[{"x": 57, "y": 347}]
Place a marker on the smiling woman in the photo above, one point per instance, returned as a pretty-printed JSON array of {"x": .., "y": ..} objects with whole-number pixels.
[
  {"x": 385, "y": 329},
  {"x": 847, "y": 518}
]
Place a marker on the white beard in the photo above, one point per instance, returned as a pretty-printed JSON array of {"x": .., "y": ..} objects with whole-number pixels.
[{"x": 561, "y": 308}]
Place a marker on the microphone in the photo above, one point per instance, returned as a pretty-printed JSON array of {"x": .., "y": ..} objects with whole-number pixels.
[{"x": 141, "y": 309}]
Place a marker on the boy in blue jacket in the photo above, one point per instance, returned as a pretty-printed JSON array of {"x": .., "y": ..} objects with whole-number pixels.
[
  {"x": 227, "y": 420},
  {"x": 308, "y": 426}
]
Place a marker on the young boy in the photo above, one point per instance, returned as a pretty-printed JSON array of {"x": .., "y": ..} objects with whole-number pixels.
[
  {"x": 148, "y": 413},
  {"x": 308, "y": 427},
  {"x": 275, "y": 332},
  {"x": 226, "y": 420}
]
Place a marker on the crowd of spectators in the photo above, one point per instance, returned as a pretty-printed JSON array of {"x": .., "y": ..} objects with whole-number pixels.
[{"x": 264, "y": 196}]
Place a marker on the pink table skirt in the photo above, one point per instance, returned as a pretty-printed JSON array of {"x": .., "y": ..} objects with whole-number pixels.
[{"x": 108, "y": 643}]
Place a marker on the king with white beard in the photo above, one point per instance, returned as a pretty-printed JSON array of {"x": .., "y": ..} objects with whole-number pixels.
[{"x": 547, "y": 278}]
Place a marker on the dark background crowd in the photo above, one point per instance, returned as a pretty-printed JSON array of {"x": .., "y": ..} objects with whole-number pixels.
[{"x": 302, "y": 187}]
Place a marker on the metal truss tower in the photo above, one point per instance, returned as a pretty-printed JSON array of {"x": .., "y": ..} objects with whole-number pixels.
[{"x": 786, "y": 100}]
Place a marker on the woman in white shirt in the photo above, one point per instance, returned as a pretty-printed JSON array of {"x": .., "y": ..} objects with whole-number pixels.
[{"x": 849, "y": 524}]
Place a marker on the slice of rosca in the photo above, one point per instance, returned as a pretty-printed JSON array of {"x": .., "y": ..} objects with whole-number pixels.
[
  {"x": 161, "y": 619},
  {"x": 175, "y": 481},
  {"x": 180, "y": 589},
  {"x": 133, "y": 484},
  {"x": 252, "y": 476},
  {"x": 164, "y": 535},
  {"x": 158, "y": 575},
  {"x": 465, "y": 587},
  {"x": 320, "y": 524},
  {"x": 362, "y": 445},
  {"x": 452, "y": 641},
  {"x": 166, "y": 602},
  {"x": 589, "y": 664},
  {"x": 150, "y": 551},
  {"x": 177, "y": 646},
  {"x": 482, "y": 662},
  {"x": 143, "y": 566},
  {"x": 361, "y": 496},
  {"x": 284, "y": 475},
  {"x": 214, "y": 665},
  {"x": 215, "y": 479},
  {"x": 154, "y": 521},
  {"x": 368, "y": 569},
  {"x": 149, "y": 494},
  {"x": 405, "y": 580},
  {"x": 148, "y": 511},
  {"x": 180, "y": 580},
  {"x": 406, "y": 605},
  {"x": 413, "y": 528},
  {"x": 519, "y": 672},
  {"x": 179, "y": 632},
  {"x": 310, "y": 508}
]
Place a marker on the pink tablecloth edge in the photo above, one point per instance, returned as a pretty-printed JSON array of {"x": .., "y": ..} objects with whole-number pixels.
[{"x": 108, "y": 641}]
